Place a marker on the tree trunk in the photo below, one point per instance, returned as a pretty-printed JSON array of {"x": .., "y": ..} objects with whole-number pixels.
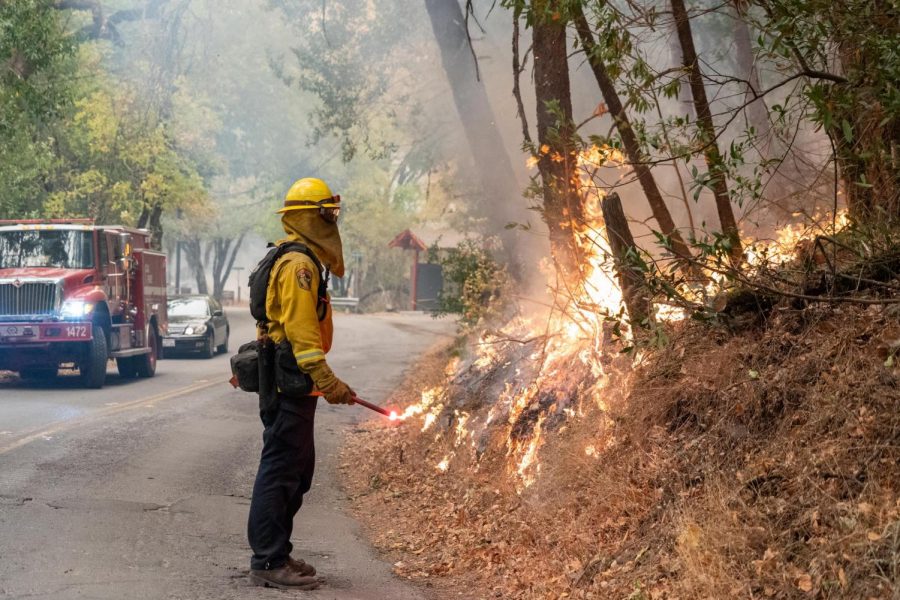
[
  {"x": 563, "y": 210},
  {"x": 714, "y": 163},
  {"x": 685, "y": 101},
  {"x": 151, "y": 218},
  {"x": 194, "y": 255},
  {"x": 155, "y": 226},
  {"x": 491, "y": 161},
  {"x": 629, "y": 140},
  {"x": 757, "y": 112},
  {"x": 225, "y": 252},
  {"x": 621, "y": 242}
]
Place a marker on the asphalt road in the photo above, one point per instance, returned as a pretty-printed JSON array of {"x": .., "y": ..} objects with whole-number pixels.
[{"x": 141, "y": 489}]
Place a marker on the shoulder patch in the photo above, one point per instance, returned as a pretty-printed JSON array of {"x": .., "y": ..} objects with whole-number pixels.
[{"x": 304, "y": 278}]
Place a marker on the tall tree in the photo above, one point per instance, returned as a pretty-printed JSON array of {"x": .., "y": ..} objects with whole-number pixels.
[
  {"x": 489, "y": 156},
  {"x": 221, "y": 253},
  {"x": 756, "y": 110},
  {"x": 557, "y": 161},
  {"x": 685, "y": 102},
  {"x": 714, "y": 163},
  {"x": 193, "y": 252},
  {"x": 632, "y": 147}
]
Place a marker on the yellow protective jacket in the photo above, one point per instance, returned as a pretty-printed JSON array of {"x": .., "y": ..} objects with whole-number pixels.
[{"x": 291, "y": 305}]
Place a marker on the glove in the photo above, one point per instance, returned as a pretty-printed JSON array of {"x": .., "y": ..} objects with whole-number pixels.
[{"x": 335, "y": 390}]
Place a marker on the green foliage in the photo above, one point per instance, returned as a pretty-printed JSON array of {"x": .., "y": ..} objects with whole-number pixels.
[
  {"x": 850, "y": 51},
  {"x": 34, "y": 93},
  {"x": 120, "y": 165},
  {"x": 341, "y": 59},
  {"x": 76, "y": 140},
  {"x": 33, "y": 51},
  {"x": 476, "y": 287}
]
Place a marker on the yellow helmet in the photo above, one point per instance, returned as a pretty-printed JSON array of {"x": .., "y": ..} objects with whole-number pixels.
[{"x": 309, "y": 192}]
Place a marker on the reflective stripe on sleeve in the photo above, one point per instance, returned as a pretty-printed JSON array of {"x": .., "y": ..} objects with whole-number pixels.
[{"x": 310, "y": 356}]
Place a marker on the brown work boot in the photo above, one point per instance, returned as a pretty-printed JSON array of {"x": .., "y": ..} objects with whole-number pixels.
[
  {"x": 301, "y": 566},
  {"x": 283, "y": 578}
]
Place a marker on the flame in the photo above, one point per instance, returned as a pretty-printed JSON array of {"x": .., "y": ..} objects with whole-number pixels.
[
  {"x": 430, "y": 418},
  {"x": 527, "y": 467},
  {"x": 669, "y": 313},
  {"x": 488, "y": 353},
  {"x": 460, "y": 429},
  {"x": 426, "y": 403},
  {"x": 599, "y": 156},
  {"x": 790, "y": 238},
  {"x": 571, "y": 340}
]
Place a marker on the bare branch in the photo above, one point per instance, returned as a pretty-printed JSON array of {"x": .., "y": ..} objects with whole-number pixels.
[
  {"x": 517, "y": 72},
  {"x": 470, "y": 10}
]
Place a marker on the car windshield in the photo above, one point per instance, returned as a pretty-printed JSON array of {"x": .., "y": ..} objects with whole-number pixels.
[
  {"x": 61, "y": 248},
  {"x": 188, "y": 307}
]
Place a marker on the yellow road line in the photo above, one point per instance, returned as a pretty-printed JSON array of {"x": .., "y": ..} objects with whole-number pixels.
[{"x": 105, "y": 412}]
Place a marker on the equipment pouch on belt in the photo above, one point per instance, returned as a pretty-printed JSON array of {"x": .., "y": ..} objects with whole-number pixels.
[
  {"x": 290, "y": 380},
  {"x": 245, "y": 367},
  {"x": 254, "y": 369},
  {"x": 268, "y": 390}
]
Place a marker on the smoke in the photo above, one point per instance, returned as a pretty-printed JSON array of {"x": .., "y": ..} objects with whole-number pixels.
[
  {"x": 242, "y": 81},
  {"x": 791, "y": 163}
]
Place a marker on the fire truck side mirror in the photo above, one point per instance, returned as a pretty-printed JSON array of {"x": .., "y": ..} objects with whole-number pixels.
[{"x": 124, "y": 249}]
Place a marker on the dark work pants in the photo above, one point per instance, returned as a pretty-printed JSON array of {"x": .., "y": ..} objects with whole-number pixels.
[{"x": 285, "y": 474}]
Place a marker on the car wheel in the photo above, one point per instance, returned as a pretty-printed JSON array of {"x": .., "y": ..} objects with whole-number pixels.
[
  {"x": 146, "y": 363},
  {"x": 223, "y": 348},
  {"x": 210, "y": 350},
  {"x": 93, "y": 368}
]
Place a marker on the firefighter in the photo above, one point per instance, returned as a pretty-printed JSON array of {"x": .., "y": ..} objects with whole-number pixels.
[{"x": 295, "y": 313}]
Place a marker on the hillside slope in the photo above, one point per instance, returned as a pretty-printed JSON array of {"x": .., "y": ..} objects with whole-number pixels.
[{"x": 757, "y": 464}]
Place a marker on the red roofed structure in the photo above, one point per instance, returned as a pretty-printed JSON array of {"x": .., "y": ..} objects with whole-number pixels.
[{"x": 407, "y": 240}]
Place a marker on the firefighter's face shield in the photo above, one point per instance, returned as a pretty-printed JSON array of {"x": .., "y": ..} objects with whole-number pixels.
[
  {"x": 330, "y": 214},
  {"x": 329, "y": 208}
]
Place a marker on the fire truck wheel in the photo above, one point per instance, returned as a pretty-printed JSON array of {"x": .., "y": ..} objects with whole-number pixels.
[
  {"x": 145, "y": 364},
  {"x": 126, "y": 367},
  {"x": 93, "y": 369}
]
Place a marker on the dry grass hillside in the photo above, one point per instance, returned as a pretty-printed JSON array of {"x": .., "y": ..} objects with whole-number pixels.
[{"x": 756, "y": 464}]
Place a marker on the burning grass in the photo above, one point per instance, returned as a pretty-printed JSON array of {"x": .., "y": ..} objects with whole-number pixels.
[
  {"x": 762, "y": 464},
  {"x": 537, "y": 461}
]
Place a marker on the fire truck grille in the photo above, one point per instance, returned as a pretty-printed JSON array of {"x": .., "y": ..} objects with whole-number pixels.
[{"x": 38, "y": 298}]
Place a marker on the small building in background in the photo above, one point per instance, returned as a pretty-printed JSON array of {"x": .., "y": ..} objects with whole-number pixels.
[{"x": 426, "y": 278}]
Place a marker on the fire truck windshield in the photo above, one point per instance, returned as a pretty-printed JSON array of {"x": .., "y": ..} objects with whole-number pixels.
[{"x": 60, "y": 248}]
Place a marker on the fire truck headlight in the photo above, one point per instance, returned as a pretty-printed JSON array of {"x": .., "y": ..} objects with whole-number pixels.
[{"x": 75, "y": 309}]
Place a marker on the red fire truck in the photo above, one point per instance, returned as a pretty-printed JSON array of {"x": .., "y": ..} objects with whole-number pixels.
[{"x": 74, "y": 295}]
